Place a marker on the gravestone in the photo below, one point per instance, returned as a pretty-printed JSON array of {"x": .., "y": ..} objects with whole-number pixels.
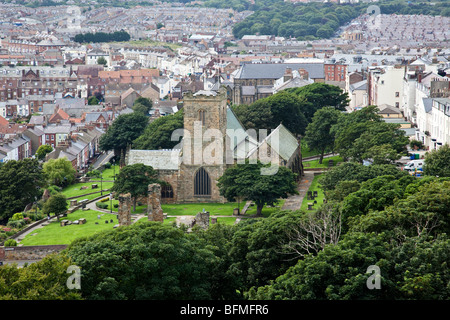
[
  {"x": 154, "y": 210},
  {"x": 213, "y": 220},
  {"x": 73, "y": 203},
  {"x": 124, "y": 210}
]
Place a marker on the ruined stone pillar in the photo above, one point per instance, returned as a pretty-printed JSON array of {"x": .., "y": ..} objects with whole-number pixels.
[
  {"x": 154, "y": 210},
  {"x": 202, "y": 220},
  {"x": 124, "y": 209}
]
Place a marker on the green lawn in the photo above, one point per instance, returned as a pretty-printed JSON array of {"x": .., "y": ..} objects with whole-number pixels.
[
  {"x": 191, "y": 209},
  {"x": 266, "y": 211},
  {"x": 305, "y": 150},
  {"x": 315, "y": 163},
  {"x": 74, "y": 190},
  {"x": 315, "y": 186},
  {"x": 108, "y": 174},
  {"x": 55, "y": 234}
]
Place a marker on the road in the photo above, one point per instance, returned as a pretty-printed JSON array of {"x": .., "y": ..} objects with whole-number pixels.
[{"x": 102, "y": 159}]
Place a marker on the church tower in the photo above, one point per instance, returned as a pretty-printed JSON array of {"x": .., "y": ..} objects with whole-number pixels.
[{"x": 204, "y": 146}]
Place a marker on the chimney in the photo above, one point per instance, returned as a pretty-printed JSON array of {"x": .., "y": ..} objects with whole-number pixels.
[{"x": 287, "y": 74}]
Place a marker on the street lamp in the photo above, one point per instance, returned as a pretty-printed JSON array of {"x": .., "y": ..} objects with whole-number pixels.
[
  {"x": 101, "y": 182},
  {"x": 114, "y": 168}
]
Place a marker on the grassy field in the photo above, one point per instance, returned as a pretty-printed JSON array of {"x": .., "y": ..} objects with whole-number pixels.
[
  {"x": 315, "y": 163},
  {"x": 315, "y": 186},
  {"x": 222, "y": 209},
  {"x": 266, "y": 211},
  {"x": 55, "y": 234}
]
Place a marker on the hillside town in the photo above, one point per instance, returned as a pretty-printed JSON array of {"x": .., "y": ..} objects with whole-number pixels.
[{"x": 386, "y": 72}]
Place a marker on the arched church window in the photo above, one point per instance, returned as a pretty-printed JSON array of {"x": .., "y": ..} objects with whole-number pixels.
[{"x": 202, "y": 183}]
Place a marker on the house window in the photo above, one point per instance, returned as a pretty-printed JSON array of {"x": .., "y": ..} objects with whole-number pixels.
[
  {"x": 202, "y": 183},
  {"x": 397, "y": 94},
  {"x": 201, "y": 116}
]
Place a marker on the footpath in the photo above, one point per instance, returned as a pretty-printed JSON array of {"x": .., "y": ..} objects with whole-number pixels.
[{"x": 294, "y": 202}]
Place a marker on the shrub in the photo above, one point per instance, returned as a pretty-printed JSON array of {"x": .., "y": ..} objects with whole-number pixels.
[
  {"x": 10, "y": 243},
  {"x": 16, "y": 224},
  {"x": 104, "y": 200},
  {"x": 107, "y": 165},
  {"x": 93, "y": 173},
  {"x": 101, "y": 205},
  {"x": 416, "y": 143},
  {"x": 54, "y": 189},
  {"x": 116, "y": 205},
  {"x": 16, "y": 216}
]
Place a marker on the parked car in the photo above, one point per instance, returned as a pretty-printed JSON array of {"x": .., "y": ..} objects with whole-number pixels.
[{"x": 414, "y": 165}]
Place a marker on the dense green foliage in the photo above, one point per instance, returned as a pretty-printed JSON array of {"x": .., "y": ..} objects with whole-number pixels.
[
  {"x": 124, "y": 130},
  {"x": 400, "y": 225},
  {"x": 142, "y": 105},
  {"x": 268, "y": 113},
  {"x": 20, "y": 184},
  {"x": 56, "y": 204},
  {"x": 134, "y": 179},
  {"x": 363, "y": 134},
  {"x": 102, "y": 37},
  {"x": 437, "y": 162},
  {"x": 59, "y": 172},
  {"x": 42, "y": 151},
  {"x": 318, "y": 133},
  {"x": 157, "y": 135},
  {"x": 261, "y": 183},
  {"x": 42, "y": 280},
  {"x": 146, "y": 261},
  {"x": 308, "y": 21}
]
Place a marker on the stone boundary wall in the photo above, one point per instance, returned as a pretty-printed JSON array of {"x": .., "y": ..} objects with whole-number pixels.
[{"x": 28, "y": 252}]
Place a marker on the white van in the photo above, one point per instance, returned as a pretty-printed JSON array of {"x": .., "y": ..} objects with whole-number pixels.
[{"x": 414, "y": 164}]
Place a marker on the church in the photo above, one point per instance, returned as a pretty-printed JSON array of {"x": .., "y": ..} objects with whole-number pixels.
[{"x": 212, "y": 140}]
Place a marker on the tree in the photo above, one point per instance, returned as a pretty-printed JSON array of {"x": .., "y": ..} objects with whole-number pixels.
[
  {"x": 56, "y": 204},
  {"x": 315, "y": 231},
  {"x": 102, "y": 61},
  {"x": 318, "y": 95},
  {"x": 144, "y": 101},
  {"x": 20, "y": 184},
  {"x": 437, "y": 162},
  {"x": 93, "y": 100},
  {"x": 59, "y": 172},
  {"x": 146, "y": 261},
  {"x": 124, "y": 130},
  {"x": 247, "y": 182},
  {"x": 42, "y": 151},
  {"x": 362, "y": 134},
  {"x": 267, "y": 113},
  {"x": 318, "y": 133},
  {"x": 42, "y": 280},
  {"x": 358, "y": 172},
  {"x": 134, "y": 179},
  {"x": 142, "y": 105},
  {"x": 157, "y": 135}
]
